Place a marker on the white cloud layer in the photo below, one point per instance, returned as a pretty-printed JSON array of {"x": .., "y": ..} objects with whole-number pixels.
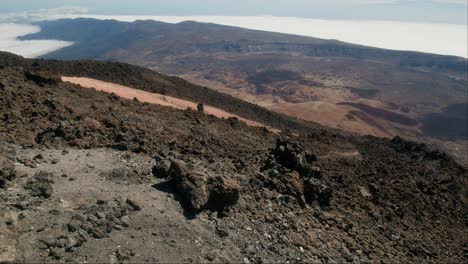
[
  {"x": 446, "y": 39},
  {"x": 27, "y": 48}
]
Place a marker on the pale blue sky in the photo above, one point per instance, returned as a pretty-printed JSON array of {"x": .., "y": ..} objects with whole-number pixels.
[{"x": 446, "y": 11}]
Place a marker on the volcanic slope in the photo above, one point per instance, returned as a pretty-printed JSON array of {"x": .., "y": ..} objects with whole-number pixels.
[
  {"x": 87, "y": 176},
  {"x": 354, "y": 88}
]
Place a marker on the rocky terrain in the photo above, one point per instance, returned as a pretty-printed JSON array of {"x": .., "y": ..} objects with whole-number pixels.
[
  {"x": 359, "y": 89},
  {"x": 87, "y": 176}
]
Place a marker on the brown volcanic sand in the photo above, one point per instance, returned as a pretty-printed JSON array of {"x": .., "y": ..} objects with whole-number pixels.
[{"x": 153, "y": 98}]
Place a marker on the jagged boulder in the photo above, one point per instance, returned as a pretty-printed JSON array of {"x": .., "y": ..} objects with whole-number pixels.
[
  {"x": 292, "y": 155},
  {"x": 289, "y": 170},
  {"x": 162, "y": 167},
  {"x": 289, "y": 154},
  {"x": 317, "y": 190},
  {"x": 289, "y": 183},
  {"x": 201, "y": 190}
]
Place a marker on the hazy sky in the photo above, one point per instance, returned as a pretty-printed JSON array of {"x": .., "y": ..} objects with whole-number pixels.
[{"x": 445, "y": 11}]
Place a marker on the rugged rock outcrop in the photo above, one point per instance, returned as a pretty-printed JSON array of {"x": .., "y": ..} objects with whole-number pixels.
[
  {"x": 201, "y": 189},
  {"x": 290, "y": 170}
]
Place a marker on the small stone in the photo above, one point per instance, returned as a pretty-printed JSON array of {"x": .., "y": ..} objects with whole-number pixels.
[
  {"x": 30, "y": 163},
  {"x": 55, "y": 161},
  {"x": 364, "y": 192},
  {"x": 65, "y": 152},
  {"x": 250, "y": 249},
  {"x": 38, "y": 157},
  {"x": 200, "y": 107},
  {"x": 92, "y": 218},
  {"x": 395, "y": 237},
  {"x": 73, "y": 225},
  {"x": 9, "y": 222},
  {"x": 101, "y": 202},
  {"x": 123, "y": 254},
  {"x": 22, "y": 205},
  {"x": 210, "y": 257},
  {"x": 57, "y": 253},
  {"x": 72, "y": 179},
  {"x": 72, "y": 242},
  {"x": 125, "y": 220},
  {"x": 222, "y": 232},
  {"x": 21, "y": 216},
  {"x": 134, "y": 203},
  {"x": 98, "y": 232},
  {"x": 101, "y": 215},
  {"x": 246, "y": 261}
]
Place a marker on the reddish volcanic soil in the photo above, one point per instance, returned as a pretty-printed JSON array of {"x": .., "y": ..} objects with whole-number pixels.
[{"x": 154, "y": 98}]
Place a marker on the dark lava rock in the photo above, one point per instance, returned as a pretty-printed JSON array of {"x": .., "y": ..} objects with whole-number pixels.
[
  {"x": 289, "y": 154},
  {"x": 40, "y": 185},
  {"x": 98, "y": 232},
  {"x": 200, "y": 107},
  {"x": 161, "y": 168},
  {"x": 289, "y": 170},
  {"x": 38, "y": 157},
  {"x": 7, "y": 171},
  {"x": 289, "y": 183},
  {"x": 201, "y": 190},
  {"x": 317, "y": 190}
]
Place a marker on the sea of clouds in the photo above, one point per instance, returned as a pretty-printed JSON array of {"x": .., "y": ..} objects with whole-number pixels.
[
  {"x": 28, "y": 48},
  {"x": 446, "y": 39}
]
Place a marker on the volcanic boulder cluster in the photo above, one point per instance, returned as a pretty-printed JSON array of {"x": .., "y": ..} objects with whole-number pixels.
[
  {"x": 103, "y": 217},
  {"x": 96, "y": 221},
  {"x": 199, "y": 188},
  {"x": 289, "y": 170}
]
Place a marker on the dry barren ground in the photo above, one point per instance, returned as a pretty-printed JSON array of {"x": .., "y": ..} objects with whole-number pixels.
[
  {"x": 158, "y": 232},
  {"x": 153, "y": 98}
]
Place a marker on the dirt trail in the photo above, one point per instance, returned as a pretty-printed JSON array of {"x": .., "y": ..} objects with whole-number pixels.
[{"x": 154, "y": 98}]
